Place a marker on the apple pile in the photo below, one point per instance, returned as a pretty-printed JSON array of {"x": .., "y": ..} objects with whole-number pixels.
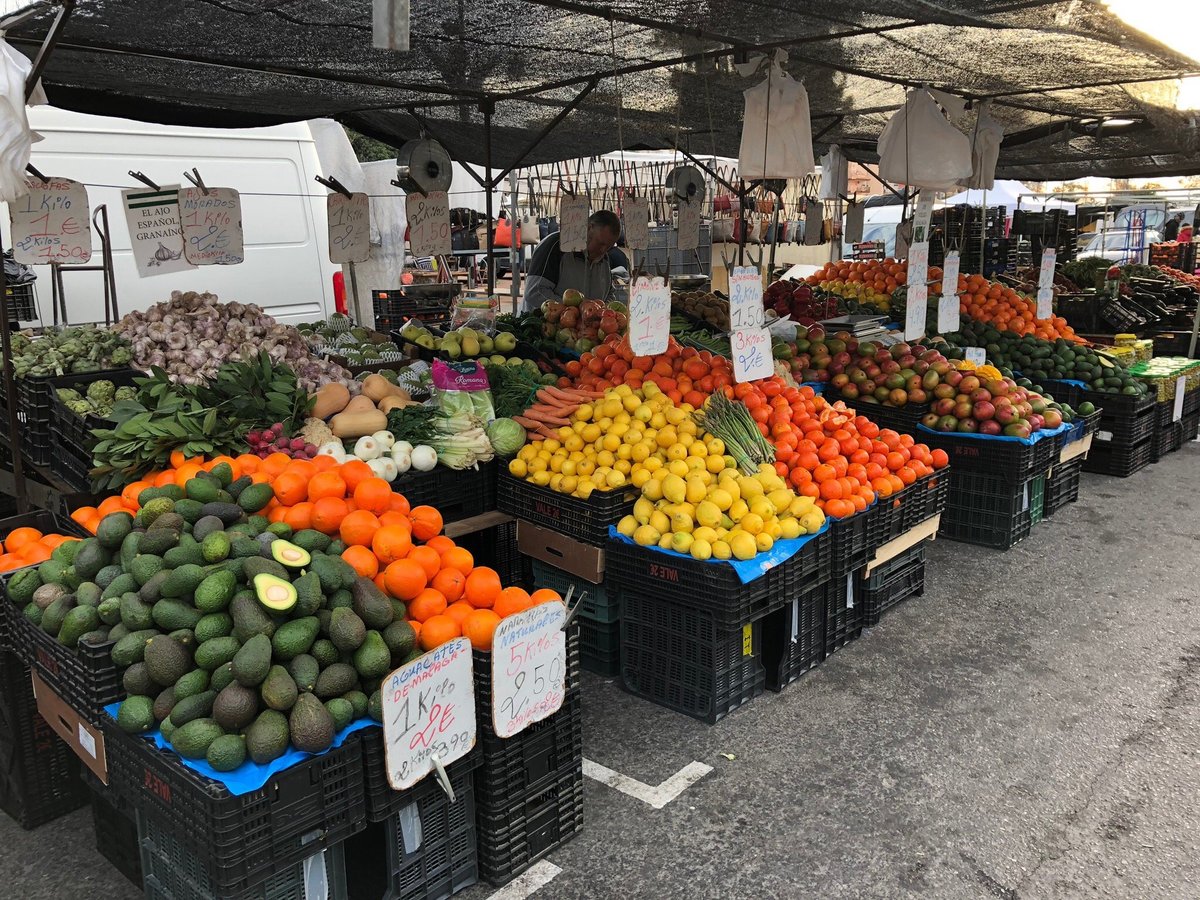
[
  {"x": 966, "y": 404},
  {"x": 899, "y": 375},
  {"x": 580, "y": 324},
  {"x": 800, "y": 301}
]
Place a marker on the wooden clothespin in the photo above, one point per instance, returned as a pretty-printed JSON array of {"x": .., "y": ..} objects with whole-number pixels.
[
  {"x": 336, "y": 186},
  {"x": 36, "y": 174},
  {"x": 194, "y": 177},
  {"x": 144, "y": 180}
]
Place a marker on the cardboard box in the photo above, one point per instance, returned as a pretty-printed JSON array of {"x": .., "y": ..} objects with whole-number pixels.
[
  {"x": 1076, "y": 449},
  {"x": 81, "y": 736},
  {"x": 579, "y": 559}
]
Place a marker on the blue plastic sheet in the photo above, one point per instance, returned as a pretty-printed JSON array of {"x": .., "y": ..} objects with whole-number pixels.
[
  {"x": 747, "y": 569},
  {"x": 1082, "y": 385},
  {"x": 1031, "y": 440},
  {"x": 249, "y": 776},
  {"x": 817, "y": 386}
]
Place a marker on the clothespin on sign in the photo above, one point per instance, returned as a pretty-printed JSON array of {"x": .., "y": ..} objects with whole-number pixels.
[
  {"x": 443, "y": 779},
  {"x": 572, "y": 610},
  {"x": 334, "y": 185},
  {"x": 36, "y": 174},
  {"x": 144, "y": 180},
  {"x": 194, "y": 178}
]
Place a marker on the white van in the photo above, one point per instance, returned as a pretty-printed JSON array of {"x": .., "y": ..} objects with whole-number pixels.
[{"x": 286, "y": 270}]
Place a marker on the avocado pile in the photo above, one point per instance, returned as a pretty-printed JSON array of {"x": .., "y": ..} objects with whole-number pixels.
[
  {"x": 236, "y": 637},
  {"x": 1039, "y": 359}
]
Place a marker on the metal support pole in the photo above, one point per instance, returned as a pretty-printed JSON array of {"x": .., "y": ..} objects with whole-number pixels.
[
  {"x": 489, "y": 184},
  {"x": 742, "y": 215},
  {"x": 358, "y": 312},
  {"x": 515, "y": 253},
  {"x": 51, "y": 39}
]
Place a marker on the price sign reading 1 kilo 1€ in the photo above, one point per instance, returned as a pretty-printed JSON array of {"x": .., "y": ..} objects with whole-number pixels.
[
  {"x": 51, "y": 223},
  {"x": 428, "y": 711},
  {"x": 751, "y": 354},
  {"x": 649, "y": 316},
  {"x": 918, "y": 291},
  {"x": 948, "y": 311},
  {"x": 529, "y": 667},
  {"x": 349, "y": 221},
  {"x": 745, "y": 298}
]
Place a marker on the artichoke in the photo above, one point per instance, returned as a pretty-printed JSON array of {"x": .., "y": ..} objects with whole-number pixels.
[
  {"x": 68, "y": 394},
  {"x": 79, "y": 407},
  {"x": 102, "y": 391},
  {"x": 128, "y": 392}
]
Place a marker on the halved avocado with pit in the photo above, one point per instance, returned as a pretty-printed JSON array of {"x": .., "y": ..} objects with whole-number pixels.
[
  {"x": 288, "y": 554},
  {"x": 274, "y": 593}
]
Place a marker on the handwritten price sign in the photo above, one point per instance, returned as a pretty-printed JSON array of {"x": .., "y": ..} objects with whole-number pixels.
[
  {"x": 428, "y": 711},
  {"x": 689, "y": 224},
  {"x": 212, "y": 226},
  {"x": 649, "y": 316},
  {"x": 745, "y": 298},
  {"x": 573, "y": 223},
  {"x": 349, "y": 221},
  {"x": 918, "y": 291},
  {"x": 428, "y": 223},
  {"x": 948, "y": 312},
  {"x": 529, "y": 667},
  {"x": 637, "y": 223},
  {"x": 751, "y": 354},
  {"x": 1045, "y": 295},
  {"x": 52, "y": 223}
]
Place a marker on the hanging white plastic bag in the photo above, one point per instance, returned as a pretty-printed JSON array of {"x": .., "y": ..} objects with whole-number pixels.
[
  {"x": 776, "y": 128},
  {"x": 16, "y": 137},
  {"x": 835, "y": 175},
  {"x": 920, "y": 148},
  {"x": 985, "y": 149}
]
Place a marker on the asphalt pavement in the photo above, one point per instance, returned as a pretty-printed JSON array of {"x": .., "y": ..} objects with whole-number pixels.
[{"x": 1029, "y": 728}]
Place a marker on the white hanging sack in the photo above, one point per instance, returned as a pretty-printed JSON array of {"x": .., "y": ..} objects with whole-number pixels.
[
  {"x": 776, "y": 129},
  {"x": 920, "y": 148},
  {"x": 985, "y": 150}
]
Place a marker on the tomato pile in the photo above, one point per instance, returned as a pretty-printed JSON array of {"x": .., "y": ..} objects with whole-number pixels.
[{"x": 684, "y": 374}]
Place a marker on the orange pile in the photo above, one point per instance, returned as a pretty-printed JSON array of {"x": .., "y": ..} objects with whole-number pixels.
[
  {"x": 28, "y": 547},
  {"x": 1001, "y": 306},
  {"x": 401, "y": 548}
]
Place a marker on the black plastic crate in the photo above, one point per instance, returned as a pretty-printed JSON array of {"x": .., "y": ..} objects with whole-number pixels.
[
  {"x": 172, "y": 872},
  {"x": 715, "y": 587},
  {"x": 381, "y": 799},
  {"x": 1013, "y": 461},
  {"x": 39, "y": 773},
  {"x": 896, "y": 580},
  {"x": 989, "y": 511},
  {"x": 496, "y": 548},
  {"x": 22, "y": 305},
  {"x": 239, "y": 841},
  {"x": 843, "y": 614},
  {"x": 1191, "y": 402},
  {"x": 902, "y": 419},
  {"x": 1126, "y": 429},
  {"x": 394, "y": 860},
  {"x": 1062, "y": 486},
  {"x": 392, "y": 309},
  {"x": 682, "y": 658},
  {"x": 1082, "y": 427},
  {"x": 583, "y": 520},
  {"x": 47, "y": 523},
  {"x": 600, "y": 645},
  {"x": 851, "y": 544},
  {"x": 921, "y": 500},
  {"x": 72, "y": 452},
  {"x": 794, "y": 637},
  {"x": 457, "y": 494},
  {"x": 1119, "y": 461},
  {"x": 115, "y": 824},
  {"x": 513, "y": 838},
  {"x": 521, "y": 766},
  {"x": 600, "y": 602},
  {"x": 36, "y": 397}
]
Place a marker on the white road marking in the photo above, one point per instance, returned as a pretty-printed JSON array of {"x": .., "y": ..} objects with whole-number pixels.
[
  {"x": 532, "y": 879},
  {"x": 658, "y": 796}
]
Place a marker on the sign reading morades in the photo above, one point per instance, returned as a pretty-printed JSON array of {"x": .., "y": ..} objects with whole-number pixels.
[
  {"x": 689, "y": 224},
  {"x": 573, "y": 216},
  {"x": 349, "y": 221},
  {"x": 948, "y": 311},
  {"x": 918, "y": 290},
  {"x": 52, "y": 223},
  {"x": 155, "y": 231},
  {"x": 752, "y": 357},
  {"x": 649, "y": 316},
  {"x": 428, "y": 711},
  {"x": 529, "y": 667},
  {"x": 428, "y": 223},
  {"x": 212, "y": 226},
  {"x": 745, "y": 298},
  {"x": 636, "y": 221}
]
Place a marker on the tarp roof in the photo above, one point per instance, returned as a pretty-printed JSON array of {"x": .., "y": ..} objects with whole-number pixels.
[{"x": 1052, "y": 68}]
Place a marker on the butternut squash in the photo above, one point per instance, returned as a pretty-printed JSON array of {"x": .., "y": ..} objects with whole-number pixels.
[
  {"x": 377, "y": 387},
  {"x": 387, "y": 404},
  {"x": 331, "y": 399},
  {"x": 360, "y": 404},
  {"x": 358, "y": 424}
]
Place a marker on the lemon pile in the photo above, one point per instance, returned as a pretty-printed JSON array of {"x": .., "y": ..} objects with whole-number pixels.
[
  {"x": 688, "y": 508},
  {"x": 617, "y": 442}
]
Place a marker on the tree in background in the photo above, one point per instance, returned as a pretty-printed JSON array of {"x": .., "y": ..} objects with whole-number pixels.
[{"x": 368, "y": 149}]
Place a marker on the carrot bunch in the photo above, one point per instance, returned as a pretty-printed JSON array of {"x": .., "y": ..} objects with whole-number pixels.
[{"x": 553, "y": 409}]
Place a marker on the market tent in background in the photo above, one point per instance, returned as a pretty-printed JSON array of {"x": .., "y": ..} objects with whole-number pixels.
[
  {"x": 1077, "y": 91},
  {"x": 1009, "y": 194}
]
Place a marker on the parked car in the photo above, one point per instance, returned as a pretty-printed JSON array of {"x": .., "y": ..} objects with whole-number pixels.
[{"x": 1122, "y": 247}]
